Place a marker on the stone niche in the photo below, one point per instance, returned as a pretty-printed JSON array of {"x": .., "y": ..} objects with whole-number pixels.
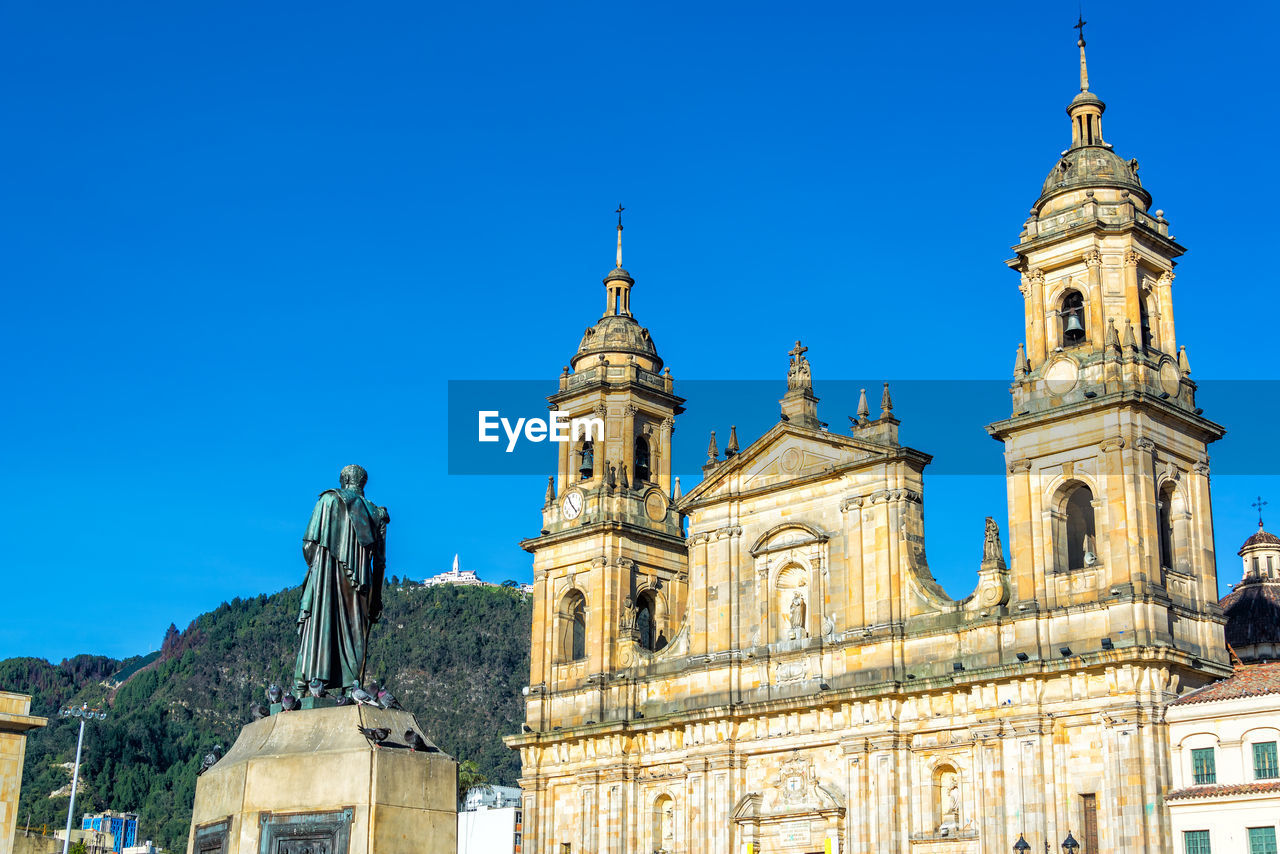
[{"x": 309, "y": 782}]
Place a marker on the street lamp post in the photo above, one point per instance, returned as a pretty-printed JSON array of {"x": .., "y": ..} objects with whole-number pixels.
[{"x": 84, "y": 713}]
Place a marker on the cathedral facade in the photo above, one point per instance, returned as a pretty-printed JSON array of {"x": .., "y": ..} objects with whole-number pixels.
[{"x": 765, "y": 664}]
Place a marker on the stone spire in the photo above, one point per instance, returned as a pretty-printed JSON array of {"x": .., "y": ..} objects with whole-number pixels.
[
  {"x": 621, "y": 209},
  {"x": 1086, "y": 108},
  {"x": 1084, "y": 67}
]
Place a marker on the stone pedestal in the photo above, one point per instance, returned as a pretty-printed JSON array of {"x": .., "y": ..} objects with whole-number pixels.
[{"x": 308, "y": 782}]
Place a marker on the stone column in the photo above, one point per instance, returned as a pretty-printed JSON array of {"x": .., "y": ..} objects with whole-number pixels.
[
  {"x": 1164, "y": 299},
  {"x": 1097, "y": 322}
]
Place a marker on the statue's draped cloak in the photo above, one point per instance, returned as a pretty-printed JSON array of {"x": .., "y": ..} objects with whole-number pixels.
[{"x": 342, "y": 594}]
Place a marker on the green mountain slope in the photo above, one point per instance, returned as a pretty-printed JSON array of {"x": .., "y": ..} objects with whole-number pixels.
[{"x": 455, "y": 656}]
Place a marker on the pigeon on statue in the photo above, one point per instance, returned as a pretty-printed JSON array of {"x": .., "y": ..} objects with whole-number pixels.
[
  {"x": 375, "y": 734},
  {"x": 344, "y": 700},
  {"x": 259, "y": 711},
  {"x": 289, "y": 702},
  {"x": 316, "y": 688},
  {"x": 274, "y": 694},
  {"x": 362, "y": 696}
]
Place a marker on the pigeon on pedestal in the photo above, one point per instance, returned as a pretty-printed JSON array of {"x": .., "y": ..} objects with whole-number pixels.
[
  {"x": 259, "y": 711},
  {"x": 289, "y": 703},
  {"x": 274, "y": 694},
  {"x": 387, "y": 700},
  {"x": 417, "y": 742},
  {"x": 210, "y": 759},
  {"x": 375, "y": 734},
  {"x": 316, "y": 688}
]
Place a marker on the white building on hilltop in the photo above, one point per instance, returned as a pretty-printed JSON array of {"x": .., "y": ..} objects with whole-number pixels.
[{"x": 465, "y": 577}]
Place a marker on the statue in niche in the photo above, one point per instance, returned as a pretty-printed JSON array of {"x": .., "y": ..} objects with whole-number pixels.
[
  {"x": 796, "y": 615},
  {"x": 949, "y": 803}
]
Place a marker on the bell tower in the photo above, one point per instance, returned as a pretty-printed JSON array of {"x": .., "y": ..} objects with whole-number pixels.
[
  {"x": 610, "y": 563},
  {"x": 1106, "y": 450}
]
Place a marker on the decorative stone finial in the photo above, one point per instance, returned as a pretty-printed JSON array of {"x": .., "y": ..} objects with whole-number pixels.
[
  {"x": 1020, "y": 363},
  {"x": 713, "y": 452},
  {"x": 1113, "y": 337},
  {"x": 886, "y": 403},
  {"x": 864, "y": 411},
  {"x": 1130, "y": 341},
  {"x": 677, "y": 493},
  {"x": 798, "y": 375},
  {"x": 551, "y": 489},
  {"x": 731, "y": 449},
  {"x": 1184, "y": 367}
]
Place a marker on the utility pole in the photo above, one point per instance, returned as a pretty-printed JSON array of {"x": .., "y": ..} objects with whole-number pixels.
[{"x": 84, "y": 713}]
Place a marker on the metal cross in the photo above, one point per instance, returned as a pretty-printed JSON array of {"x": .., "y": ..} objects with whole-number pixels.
[
  {"x": 1080, "y": 25},
  {"x": 619, "y": 213},
  {"x": 1258, "y": 505}
]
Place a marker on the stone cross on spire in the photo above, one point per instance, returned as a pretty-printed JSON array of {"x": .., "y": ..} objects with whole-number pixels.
[
  {"x": 1084, "y": 68},
  {"x": 798, "y": 375}
]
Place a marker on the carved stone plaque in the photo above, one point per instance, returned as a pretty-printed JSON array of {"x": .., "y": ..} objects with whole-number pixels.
[
  {"x": 212, "y": 838},
  {"x": 306, "y": 832}
]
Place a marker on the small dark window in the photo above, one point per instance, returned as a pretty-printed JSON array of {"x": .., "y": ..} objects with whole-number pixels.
[{"x": 642, "y": 459}]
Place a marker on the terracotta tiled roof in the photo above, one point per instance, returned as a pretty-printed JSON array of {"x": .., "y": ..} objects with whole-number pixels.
[
  {"x": 1219, "y": 791},
  {"x": 1253, "y": 680}
]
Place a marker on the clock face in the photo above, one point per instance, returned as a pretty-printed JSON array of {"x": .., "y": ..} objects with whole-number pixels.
[{"x": 571, "y": 507}]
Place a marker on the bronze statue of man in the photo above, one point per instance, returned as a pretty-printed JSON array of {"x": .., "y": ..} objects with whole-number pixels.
[{"x": 345, "y": 547}]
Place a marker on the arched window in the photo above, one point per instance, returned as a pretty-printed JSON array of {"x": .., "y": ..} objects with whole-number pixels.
[
  {"x": 573, "y": 626},
  {"x": 1072, "y": 316},
  {"x": 642, "y": 459},
  {"x": 1080, "y": 532},
  {"x": 587, "y": 461},
  {"x": 1175, "y": 530},
  {"x": 1166, "y": 527},
  {"x": 1145, "y": 303}
]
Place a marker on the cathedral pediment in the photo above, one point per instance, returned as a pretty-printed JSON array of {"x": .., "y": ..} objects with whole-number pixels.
[{"x": 785, "y": 454}]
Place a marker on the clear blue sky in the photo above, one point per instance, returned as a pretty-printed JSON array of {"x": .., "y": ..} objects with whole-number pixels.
[{"x": 245, "y": 244}]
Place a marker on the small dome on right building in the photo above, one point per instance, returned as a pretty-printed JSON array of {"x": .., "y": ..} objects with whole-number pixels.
[{"x": 1252, "y": 608}]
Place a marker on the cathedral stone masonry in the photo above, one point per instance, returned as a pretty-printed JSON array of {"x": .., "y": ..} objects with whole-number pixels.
[{"x": 785, "y": 675}]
